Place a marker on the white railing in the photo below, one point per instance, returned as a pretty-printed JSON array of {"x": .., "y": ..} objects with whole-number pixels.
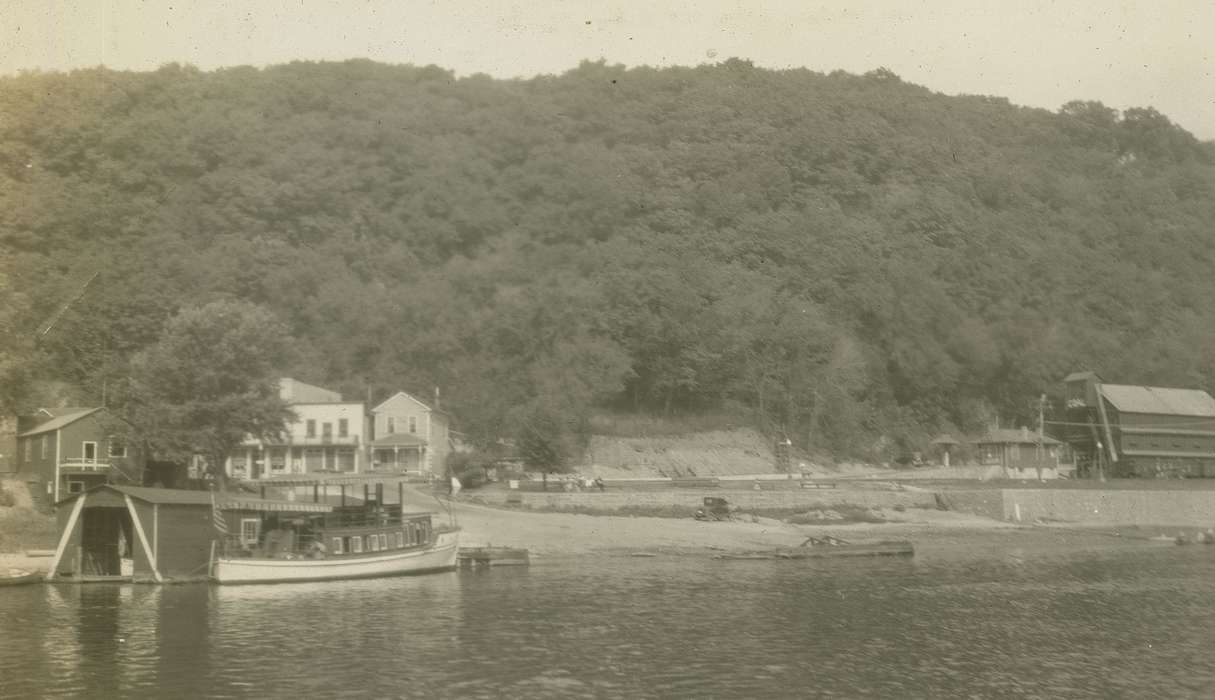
[
  {"x": 305, "y": 441},
  {"x": 83, "y": 464}
]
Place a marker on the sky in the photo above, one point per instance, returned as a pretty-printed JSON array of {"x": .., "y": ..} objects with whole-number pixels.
[{"x": 1041, "y": 53}]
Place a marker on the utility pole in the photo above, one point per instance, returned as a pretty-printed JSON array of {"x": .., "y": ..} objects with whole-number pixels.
[{"x": 1041, "y": 427}]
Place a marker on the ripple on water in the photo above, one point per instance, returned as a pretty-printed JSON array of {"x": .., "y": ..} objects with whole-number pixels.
[{"x": 1134, "y": 623}]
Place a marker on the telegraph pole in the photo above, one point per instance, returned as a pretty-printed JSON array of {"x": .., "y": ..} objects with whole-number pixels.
[{"x": 1041, "y": 427}]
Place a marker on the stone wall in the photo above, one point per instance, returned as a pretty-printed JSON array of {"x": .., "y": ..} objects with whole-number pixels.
[{"x": 1191, "y": 508}]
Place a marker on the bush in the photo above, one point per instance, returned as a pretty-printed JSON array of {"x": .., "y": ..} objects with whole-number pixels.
[
  {"x": 22, "y": 528},
  {"x": 6, "y": 498},
  {"x": 470, "y": 468}
]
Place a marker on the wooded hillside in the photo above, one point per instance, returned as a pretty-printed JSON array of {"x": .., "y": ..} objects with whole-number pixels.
[{"x": 842, "y": 257}]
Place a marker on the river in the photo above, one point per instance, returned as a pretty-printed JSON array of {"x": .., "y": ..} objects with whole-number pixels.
[{"x": 1002, "y": 619}]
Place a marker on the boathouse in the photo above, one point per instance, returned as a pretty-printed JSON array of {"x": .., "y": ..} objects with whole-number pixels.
[
  {"x": 146, "y": 534},
  {"x": 1139, "y": 431}
]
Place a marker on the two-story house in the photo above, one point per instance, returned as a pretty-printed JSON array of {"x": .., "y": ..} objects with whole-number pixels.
[
  {"x": 408, "y": 435},
  {"x": 67, "y": 450},
  {"x": 328, "y": 435}
]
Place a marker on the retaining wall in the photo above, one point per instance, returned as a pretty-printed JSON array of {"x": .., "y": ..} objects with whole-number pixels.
[{"x": 1194, "y": 508}]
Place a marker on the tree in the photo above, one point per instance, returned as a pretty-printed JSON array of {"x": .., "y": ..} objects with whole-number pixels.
[
  {"x": 209, "y": 383},
  {"x": 546, "y": 441}
]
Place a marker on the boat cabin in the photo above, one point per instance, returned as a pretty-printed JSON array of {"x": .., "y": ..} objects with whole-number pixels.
[{"x": 341, "y": 532}]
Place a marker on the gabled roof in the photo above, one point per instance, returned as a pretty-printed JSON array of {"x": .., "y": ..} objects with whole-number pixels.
[
  {"x": 294, "y": 391},
  {"x": 399, "y": 440},
  {"x": 1159, "y": 401},
  {"x": 406, "y": 395},
  {"x": 225, "y": 501},
  {"x": 59, "y": 421},
  {"x": 1016, "y": 437}
]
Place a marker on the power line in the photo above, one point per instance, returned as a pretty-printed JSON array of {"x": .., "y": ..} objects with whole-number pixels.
[{"x": 1208, "y": 422}]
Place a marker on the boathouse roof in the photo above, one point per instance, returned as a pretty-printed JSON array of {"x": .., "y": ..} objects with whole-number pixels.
[{"x": 1159, "y": 401}]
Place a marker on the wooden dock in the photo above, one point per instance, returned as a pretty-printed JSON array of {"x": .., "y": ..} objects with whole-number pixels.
[{"x": 470, "y": 557}]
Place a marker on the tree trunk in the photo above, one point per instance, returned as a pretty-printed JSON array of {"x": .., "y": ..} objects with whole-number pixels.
[{"x": 215, "y": 465}]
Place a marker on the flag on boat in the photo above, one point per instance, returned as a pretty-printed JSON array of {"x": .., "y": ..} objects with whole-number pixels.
[
  {"x": 217, "y": 517},
  {"x": 455, "y": 486}
]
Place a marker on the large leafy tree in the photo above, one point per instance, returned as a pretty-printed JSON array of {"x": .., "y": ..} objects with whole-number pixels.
[{"x": 209, "y": 382}]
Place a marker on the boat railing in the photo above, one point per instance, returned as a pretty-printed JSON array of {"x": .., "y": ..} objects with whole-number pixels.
[
  {"x": 276, "y": 544},
  {"x": 364, "y": 516}
]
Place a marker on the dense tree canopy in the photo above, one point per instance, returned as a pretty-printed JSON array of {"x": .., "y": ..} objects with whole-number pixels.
[{"x": 841, "y": 257}]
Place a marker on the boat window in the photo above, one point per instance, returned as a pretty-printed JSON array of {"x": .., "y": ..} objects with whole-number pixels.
[
  {"x": 373, "y": 543},
  {"x": 337, "y": 545},
  {"x": 400, "y": 539},
  {"x": 383, "y": 541},
  {"x": 250, "y": 528},
  {"x": 356, "y": 544}
]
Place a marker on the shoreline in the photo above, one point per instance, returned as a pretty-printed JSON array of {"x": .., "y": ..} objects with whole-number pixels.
[{"x": 557, "y": 534}]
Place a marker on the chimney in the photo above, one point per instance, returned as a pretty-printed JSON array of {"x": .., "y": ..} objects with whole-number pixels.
[{"x": 437, "y": 406}]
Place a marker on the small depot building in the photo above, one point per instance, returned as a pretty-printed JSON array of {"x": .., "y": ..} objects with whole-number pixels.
[{"x": 132, "y": 533}]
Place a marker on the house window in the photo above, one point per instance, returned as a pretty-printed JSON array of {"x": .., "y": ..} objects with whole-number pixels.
[
  {"x": 117, "y": 448},
  {"x": 314, "y": 459},
  {"x": 356, "y": 544},
  {"x": 373, "y": 543},
  {"x": 337, "y": 545},
  {"x": 343, "y": 427},
  {"x": 250, "y": 528},
  {"x": 391, "y": 424},
  {"x": 383, "y": 540},
  {"x": 89, "y": 451},
  {"x": 310, "y": 428},
  {"x": 75, "y": 486},
  {"x": 413, "y": 425},
  {"x": 46, "y": 442},
  {"x": 327, "y": 430}
]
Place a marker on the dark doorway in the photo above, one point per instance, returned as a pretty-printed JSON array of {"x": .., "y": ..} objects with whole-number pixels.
[{"x": 105, "y": 540}]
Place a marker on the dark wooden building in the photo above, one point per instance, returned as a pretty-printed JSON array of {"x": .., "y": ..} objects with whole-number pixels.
[
  {"x": 1139, "y": 431},
  {"x": 147, "y": 534},
  {"x": 69, "y": 450},
  {"x": 1017, "y": 450}
]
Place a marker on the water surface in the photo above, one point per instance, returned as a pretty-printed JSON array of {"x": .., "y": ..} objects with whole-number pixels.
[{"x": 1008, "y": 619}]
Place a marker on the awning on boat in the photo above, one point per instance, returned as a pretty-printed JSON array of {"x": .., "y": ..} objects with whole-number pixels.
[
  {"x": 341, "y": 479},
  {"x": 266, "y": 506}
]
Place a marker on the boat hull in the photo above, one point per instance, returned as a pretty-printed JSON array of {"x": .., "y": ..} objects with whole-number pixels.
[
  {"x": 441, "y": 556},
  {"x": 20, "y": 577}
]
